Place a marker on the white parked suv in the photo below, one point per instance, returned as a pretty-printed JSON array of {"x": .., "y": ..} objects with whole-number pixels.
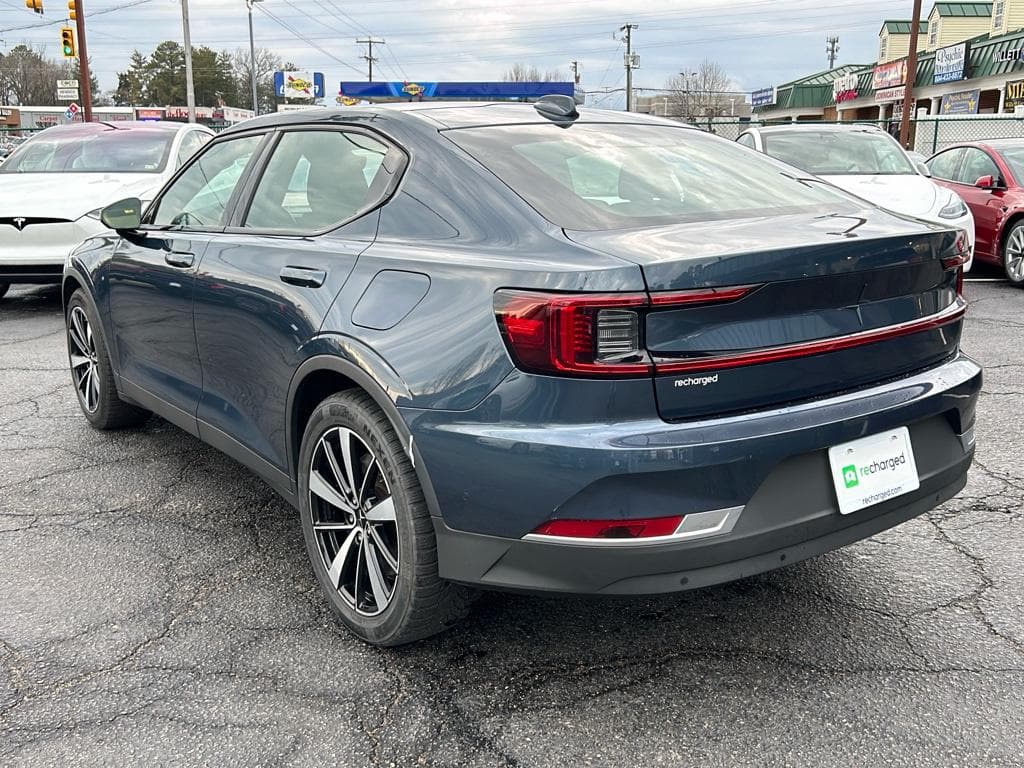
[
  {"x": 53, "y": 187},
  {"x": 869, "y": 163}
]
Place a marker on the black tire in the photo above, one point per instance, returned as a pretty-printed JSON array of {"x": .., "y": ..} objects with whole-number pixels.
[
  {"x": 97, "y": 396},
  {"x": 1013, "y": 254},
  {"x": 420, "y": 603},
  {"x": 4, "y": 288}
]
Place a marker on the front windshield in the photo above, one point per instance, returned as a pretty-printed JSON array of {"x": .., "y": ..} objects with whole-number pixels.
[
  {"x": 1013, "y": 156},
  {"x": 839, "y": 153},
  {"x": 115, "y": 150},
  {"x": 594, "y": 176}
]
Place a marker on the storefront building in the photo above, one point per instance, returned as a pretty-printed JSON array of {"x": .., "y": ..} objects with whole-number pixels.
[{"x": 955, "y": 75}]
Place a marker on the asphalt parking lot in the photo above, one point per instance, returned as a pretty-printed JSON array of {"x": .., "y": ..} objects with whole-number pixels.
[{"x": 156, "y": 607}]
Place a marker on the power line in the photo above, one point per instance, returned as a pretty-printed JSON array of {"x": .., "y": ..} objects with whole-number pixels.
[{"x": 305, "y": 39}]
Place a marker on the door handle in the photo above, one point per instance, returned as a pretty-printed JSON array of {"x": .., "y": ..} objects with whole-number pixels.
[
  {"x": 180, "y": 259},
  {"x": 304, "y": 276}
]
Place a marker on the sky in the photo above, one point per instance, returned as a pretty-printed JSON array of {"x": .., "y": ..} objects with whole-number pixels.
[{"x": 759, "y": 43}]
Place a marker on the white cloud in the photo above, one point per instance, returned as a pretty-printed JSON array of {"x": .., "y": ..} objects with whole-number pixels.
[{"x": 759, "y": 42}]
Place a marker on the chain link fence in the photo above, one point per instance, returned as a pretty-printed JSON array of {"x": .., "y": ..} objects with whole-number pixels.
[{"x": 928, "y": 134}]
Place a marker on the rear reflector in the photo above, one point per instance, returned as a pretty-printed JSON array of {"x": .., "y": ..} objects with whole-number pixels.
[{"x": 611, "y": 529}]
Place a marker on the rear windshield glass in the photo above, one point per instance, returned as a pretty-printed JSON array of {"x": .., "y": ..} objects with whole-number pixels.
[
  {"x": 839, "y": 153},
  {"x": 116, "y": 150},
  {"x": 594, "y": 176}
]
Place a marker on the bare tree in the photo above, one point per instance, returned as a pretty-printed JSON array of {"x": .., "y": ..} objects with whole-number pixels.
[
  {"x": 28, "y": 77},
  {"x": 524, "y": 73},
  {"x": 703, "y": 93}
]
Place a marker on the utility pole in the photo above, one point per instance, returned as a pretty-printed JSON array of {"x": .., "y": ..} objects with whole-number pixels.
[
  {"x": 252, "y": 59},
  {"x": 369, "y": 42},
  {"x": 832, "y": 50},
  {"x": 908, "y": 88},
  {"x": 190, "y": 89},
  {"x": 631, "y": 62},
  {"x": 83, "y": 62},
  {"x": 575, "y": 71}
]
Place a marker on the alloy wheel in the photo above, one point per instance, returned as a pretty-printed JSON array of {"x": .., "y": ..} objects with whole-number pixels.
[
  {"x": 1015, "y": 255},
  {"x": 84, "y": 361},
  {"x": 354, "y": 521}
]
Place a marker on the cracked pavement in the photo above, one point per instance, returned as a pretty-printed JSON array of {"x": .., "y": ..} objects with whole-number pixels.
[{"x": 157, "y": 607}]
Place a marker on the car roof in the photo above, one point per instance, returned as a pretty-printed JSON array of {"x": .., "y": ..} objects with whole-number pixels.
[
  {"x": 442, "y": 115},
  {"x": 820, "y": 127},
  {"x": 151, "y": 126}
]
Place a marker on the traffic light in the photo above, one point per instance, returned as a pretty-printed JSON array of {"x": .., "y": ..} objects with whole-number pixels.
[
  {"x": 34, "y": 5},
  {"x": 71, "y": 9},
  {"x": 67, "y": 42}
]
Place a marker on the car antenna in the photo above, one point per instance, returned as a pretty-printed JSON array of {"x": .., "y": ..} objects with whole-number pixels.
[{"x": 557, "y": 107}]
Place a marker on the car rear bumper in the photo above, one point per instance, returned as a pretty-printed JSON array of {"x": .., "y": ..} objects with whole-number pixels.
[
  {"x": 784, "y": 523},
  {"x": 492, "y": 482}
]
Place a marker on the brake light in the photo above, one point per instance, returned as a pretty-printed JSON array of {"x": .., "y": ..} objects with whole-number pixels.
[
  {"x": 611, "y": 529},
  {"x": 574, "y": 334}
]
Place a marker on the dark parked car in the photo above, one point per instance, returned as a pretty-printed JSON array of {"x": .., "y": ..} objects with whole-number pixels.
[
  {"x": 527, "y": 348},
  {"x": 989, "y": 177}
]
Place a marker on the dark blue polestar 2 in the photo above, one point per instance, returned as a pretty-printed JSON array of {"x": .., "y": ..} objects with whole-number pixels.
[{"x": 531, "y": 347}]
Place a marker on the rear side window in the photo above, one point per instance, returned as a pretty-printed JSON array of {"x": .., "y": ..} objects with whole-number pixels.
[
  {"x": 746, "y": 140},
  {"x": 943, "y": 166},
  {"x": 316, "y": 180},
  {"x": 190, "y": 144},
  {"x": 976, "y": 164},
  {"x": 597, "y": 176}
]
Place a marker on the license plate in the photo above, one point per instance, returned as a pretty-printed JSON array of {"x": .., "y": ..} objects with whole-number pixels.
[{"x": 873, "y": 469}]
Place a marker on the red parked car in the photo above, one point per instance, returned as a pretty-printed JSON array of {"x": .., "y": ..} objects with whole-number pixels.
[{"x": 989, "y": 176}]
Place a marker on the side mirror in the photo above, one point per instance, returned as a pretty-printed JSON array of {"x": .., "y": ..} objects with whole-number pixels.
[
  {"x": 123, "y": 215},
  {"x": 985, "y": 182},
  {"x": 924, "y": 170}
]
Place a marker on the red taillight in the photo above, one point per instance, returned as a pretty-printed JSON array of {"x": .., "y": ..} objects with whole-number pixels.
[
  {"x": 611, "y": 529},
  {"x": 700, "y": 295},
  {"x": 574, "y": 334},
  {"x": 958, "y": 262}
]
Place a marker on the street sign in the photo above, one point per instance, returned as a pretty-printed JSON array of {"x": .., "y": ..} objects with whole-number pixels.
[
  {"x": 67, "y": 94},
  {"x": 67, "y": 84}
]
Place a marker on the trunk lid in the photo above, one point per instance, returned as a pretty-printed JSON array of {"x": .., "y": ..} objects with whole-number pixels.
[{"x": 834, "y": 302}]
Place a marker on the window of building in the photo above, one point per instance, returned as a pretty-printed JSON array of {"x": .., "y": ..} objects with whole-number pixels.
[
  {"x": 883, "y": 45},
  {"x": 933, "y": 33},
  {"x": 998, "y": 12}
]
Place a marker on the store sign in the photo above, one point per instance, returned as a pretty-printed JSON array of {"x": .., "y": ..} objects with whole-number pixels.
[
  {"x": 844, "y": 88},
  {"x": 960, "y": 103},
  {"x": 951, "y": 63},
  {"x": 1010, "y": 54},
  {"x": 181, "y": 113},
  {"x": 1014, "y": 95},
  {"x": 889, "y": 75},
  {"x": 763, "y": 97},
  {"x": 886, "y": 95}
]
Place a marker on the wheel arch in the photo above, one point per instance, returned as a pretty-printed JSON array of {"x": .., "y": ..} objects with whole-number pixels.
[
  {"x": 1015, "y": 217},
  {"x": 325, "y": 374}
]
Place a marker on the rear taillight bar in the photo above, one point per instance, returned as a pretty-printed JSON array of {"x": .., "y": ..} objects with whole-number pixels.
[{"x": 598, "y": 334}]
